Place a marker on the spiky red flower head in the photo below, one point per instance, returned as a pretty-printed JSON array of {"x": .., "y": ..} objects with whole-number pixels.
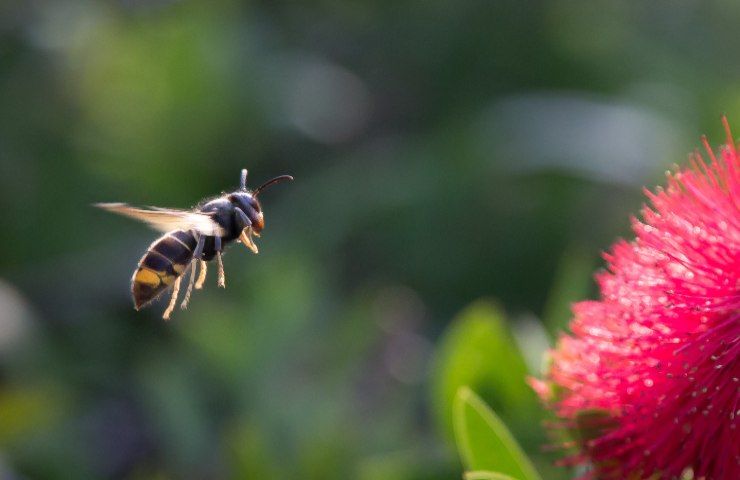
[{"x": 659, "y": 353}]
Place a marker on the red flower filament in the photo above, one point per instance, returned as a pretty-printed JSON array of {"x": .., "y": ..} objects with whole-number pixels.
[{"x": 660, "y": 351}]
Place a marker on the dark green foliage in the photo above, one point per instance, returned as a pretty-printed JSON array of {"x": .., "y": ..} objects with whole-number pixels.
[{"x": 443, "y": 152}]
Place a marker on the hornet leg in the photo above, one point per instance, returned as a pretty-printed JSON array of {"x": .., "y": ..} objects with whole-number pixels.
[
  {"x": 242, "y": 219},
  {"x": 173, "y": 300},
  {"x": 221, "y": 276},
  {"x": 246, "y": 228},
  {"x": 191, "y": 280},
  {"x": 202, "y": 275},
  {"x": 197, "y": 254}
]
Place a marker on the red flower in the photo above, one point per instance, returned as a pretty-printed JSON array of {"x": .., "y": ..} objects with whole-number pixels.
[{"x": 659, "y": 353}]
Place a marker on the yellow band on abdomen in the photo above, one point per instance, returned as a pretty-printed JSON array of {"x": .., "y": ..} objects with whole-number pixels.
[{"x": 147, "y": 277}]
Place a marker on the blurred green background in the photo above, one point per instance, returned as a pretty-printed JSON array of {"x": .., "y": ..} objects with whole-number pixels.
[{"x": 459, "y": 166}]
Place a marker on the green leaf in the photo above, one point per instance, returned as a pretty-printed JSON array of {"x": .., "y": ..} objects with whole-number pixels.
[
  {"x": 484, "y": 441},
  {"x": 478, "y": 351},
  {"x": 485, "y": 475}
]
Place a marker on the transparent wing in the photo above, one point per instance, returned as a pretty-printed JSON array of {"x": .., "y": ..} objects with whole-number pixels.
[{"x": 167, "y": 219}]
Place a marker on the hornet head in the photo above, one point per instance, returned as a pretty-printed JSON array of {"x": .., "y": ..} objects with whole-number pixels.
[{"x": 247, "y": 201}]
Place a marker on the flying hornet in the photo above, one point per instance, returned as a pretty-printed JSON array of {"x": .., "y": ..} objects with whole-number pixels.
[{"x": 192, "y": 238}]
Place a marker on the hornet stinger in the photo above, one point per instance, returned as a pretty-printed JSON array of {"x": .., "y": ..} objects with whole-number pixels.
[{"x": 192, "y": 238}]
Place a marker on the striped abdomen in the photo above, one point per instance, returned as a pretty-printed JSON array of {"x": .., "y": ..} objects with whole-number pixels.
[{"x": 164, "y": 261}]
